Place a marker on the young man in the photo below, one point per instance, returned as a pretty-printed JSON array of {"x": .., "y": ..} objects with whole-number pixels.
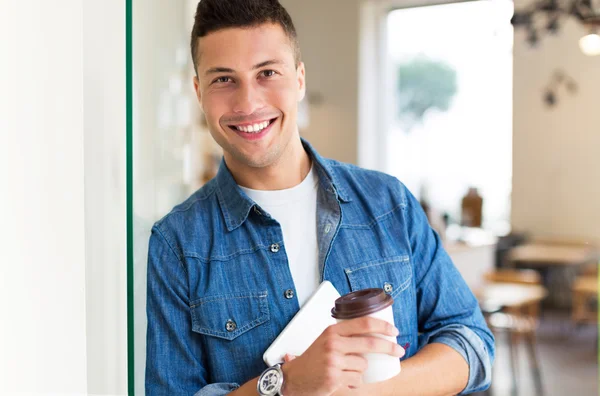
[{"x": 231, "y": 266}]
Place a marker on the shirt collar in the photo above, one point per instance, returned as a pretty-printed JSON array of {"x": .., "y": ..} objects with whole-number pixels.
[{"x": 236, "y": 205}]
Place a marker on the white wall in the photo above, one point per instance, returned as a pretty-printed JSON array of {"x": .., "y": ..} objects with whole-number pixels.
[
  {"x": 62, "y": 167},
  {"x": 42, "y": 279},
  {"x": 105, "y": 195},
  {"x": 328, "y": 32},
  {"x": 556, "y": 152}
]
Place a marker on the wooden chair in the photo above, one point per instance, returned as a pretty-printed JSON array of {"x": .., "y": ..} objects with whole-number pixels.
[
  {"x": 585, "y": 296},
  {"x": 518, "y": 323}
]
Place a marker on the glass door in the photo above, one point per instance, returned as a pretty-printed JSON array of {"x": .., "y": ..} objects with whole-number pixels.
[{"x": 171, "y": 153}]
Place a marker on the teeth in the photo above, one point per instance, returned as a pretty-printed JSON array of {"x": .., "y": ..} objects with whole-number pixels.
[{"x": 253, "y": 128}]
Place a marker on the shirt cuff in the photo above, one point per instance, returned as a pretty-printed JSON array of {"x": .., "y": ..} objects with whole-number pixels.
[
  {"x": 466, "y": 342},
  {"x": 218, "y": 389}
]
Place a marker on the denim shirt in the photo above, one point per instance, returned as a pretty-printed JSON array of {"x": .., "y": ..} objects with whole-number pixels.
[{"x": 218, "y": 275}]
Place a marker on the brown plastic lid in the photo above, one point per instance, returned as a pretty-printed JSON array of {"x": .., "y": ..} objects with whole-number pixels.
[{"x": 361, "y": 303}]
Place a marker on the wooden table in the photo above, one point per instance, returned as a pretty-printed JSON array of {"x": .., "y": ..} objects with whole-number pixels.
[
  {"x": 557, "y": 263},
  {"x": 538, "y": 254}
]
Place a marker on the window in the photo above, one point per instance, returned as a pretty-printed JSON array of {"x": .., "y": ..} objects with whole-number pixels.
[{"x": 450, "y": 98}]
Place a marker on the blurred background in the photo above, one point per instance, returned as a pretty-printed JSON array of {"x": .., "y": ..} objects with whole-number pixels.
[{"x": 485, "y": 109}]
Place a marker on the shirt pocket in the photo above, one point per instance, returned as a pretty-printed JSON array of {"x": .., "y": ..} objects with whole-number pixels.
[
  {"x": 392, "y": 274},
  {"x": 229, "y": 316}
]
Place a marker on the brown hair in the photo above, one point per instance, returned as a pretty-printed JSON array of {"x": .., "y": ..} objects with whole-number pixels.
[{"x": 213, "y": 15}]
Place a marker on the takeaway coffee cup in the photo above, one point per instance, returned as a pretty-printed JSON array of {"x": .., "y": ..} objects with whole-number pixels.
[{"x": 375, "y": 303}]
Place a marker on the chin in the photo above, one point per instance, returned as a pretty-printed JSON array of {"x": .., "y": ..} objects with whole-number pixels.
[{"x": 259, "y": 160}]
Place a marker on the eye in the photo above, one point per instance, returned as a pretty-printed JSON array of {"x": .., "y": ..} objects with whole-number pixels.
[
  {"x": 222, "y": 79},
  {"x": 268, "y": 73}
]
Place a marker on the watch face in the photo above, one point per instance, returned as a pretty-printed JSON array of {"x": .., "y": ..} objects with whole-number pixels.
[{"x": 270, "y": 382}]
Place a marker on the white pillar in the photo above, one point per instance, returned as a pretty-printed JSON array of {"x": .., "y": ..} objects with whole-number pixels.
[{"x": 42, "y": 267}]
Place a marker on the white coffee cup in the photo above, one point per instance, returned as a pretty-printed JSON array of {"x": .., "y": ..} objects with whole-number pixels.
[{"x": 377, "y": 304}]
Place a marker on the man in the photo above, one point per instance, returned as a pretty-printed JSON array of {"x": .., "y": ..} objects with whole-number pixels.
[{"x": 231, "y": 266}]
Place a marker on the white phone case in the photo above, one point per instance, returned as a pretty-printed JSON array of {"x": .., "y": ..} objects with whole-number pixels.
[{"x": 304, "y": 328}]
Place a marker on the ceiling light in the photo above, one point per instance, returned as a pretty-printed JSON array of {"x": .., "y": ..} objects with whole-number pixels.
[{"x": 590, "y": 44}]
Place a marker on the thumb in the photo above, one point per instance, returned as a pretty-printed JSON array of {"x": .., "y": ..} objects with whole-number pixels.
[{"x": 288, "y": 358}]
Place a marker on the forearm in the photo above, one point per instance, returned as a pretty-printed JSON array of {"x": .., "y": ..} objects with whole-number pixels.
[
  {"x": 248, "y": 389},
  {"x": 436, "y": 370}
]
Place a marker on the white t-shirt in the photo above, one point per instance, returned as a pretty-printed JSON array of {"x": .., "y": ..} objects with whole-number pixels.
[{"x": 296, "y": 211}]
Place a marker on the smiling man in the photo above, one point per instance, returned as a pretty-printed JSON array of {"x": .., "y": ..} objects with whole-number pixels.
[{"x": 230, "y": 267}]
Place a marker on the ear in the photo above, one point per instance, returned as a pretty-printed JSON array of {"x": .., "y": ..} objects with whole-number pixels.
[
  {"x": 301, "y": 77},
  {"x": 197, "y": 89}
]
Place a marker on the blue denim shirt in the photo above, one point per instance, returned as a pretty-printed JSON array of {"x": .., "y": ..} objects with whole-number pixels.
[{"x": 218, "y": 272}]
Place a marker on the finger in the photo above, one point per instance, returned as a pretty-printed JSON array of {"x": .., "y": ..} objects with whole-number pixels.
[
  {"x": 356, "y": 363},
  {"x": 370, "y": 344},
  {"x": 365, "y": 325}
]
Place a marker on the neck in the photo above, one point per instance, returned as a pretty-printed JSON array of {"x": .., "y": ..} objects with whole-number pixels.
[{"x": 288, "y": 171}]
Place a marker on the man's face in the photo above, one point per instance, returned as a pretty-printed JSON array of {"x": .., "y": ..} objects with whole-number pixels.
[{"x": 249, "y": 87}]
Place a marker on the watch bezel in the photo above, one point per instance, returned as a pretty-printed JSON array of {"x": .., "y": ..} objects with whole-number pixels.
[{"x": 278, "y": 386}]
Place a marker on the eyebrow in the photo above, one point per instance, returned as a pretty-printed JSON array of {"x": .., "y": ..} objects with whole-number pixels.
[{"x": 214, "y": 70}]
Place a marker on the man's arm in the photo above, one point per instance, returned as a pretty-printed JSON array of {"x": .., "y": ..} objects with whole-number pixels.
[
  {"x": 436, "y": 370},
  {"x": 173, "y": 354},
  {"x": 248, "y": 389},
  {"x": 441, "y": 367},
  {"x": 448, "y": 313}
]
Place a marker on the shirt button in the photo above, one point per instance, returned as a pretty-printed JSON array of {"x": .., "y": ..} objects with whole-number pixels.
[
  {"x": 257, "y": 211},
  {"x": 387, "y": 287},
  {"x": 289, "y": 294},
  {"x": 230, "y": 325},
  {"x": 275, "y": 248},
  {"x": 327, "y": 228}
]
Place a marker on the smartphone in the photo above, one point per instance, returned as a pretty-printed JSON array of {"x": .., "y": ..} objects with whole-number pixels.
[{"x": 306, "y": 326}]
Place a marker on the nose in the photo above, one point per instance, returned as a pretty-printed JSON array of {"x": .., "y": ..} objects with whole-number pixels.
[{"x": 247, "y": 99}]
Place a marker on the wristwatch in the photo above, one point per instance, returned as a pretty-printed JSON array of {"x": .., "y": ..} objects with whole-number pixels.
[{"x": 270, "y": 381}]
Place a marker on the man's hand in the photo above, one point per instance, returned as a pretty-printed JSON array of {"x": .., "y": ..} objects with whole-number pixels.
[{"x": 333, "y": 362}]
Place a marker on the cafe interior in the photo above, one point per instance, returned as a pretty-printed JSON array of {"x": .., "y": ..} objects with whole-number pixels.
[{"x": 485, "y": 110}]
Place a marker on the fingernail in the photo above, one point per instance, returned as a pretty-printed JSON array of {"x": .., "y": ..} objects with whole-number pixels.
[
  {"x": 396, "y": 331},
  {"x": 402, "y": 352}
]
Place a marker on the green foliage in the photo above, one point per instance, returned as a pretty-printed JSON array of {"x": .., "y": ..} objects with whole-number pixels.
[{"x": 424, "y": 84}]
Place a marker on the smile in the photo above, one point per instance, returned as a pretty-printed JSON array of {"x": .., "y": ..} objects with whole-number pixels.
[{"x": 252, "y": 128}]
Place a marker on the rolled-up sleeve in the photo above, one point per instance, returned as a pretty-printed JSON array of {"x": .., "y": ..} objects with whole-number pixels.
[
  {"x": 472, "y": 348},
  {"x": 448, "y": 312},
  {"x": 174, "y": 363}
]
